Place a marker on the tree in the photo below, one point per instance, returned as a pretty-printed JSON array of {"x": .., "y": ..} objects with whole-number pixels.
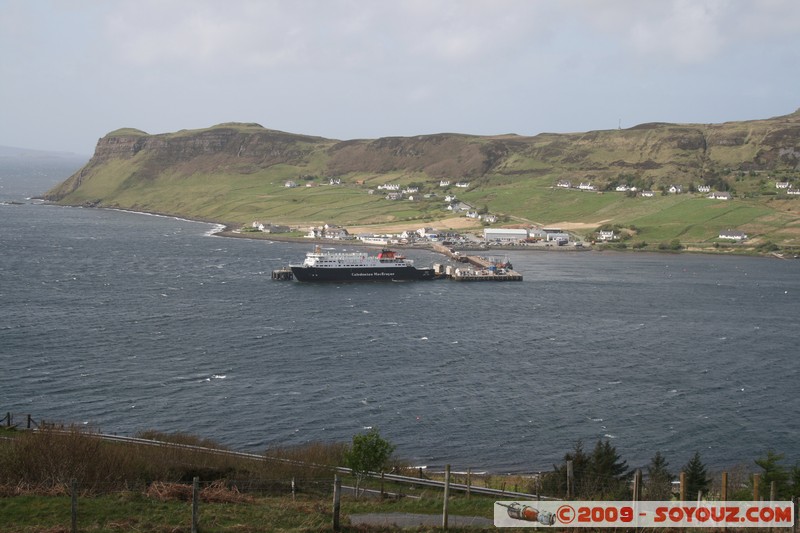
[
  {"x": 609, "y": 474},
  {"x": 774, "y": 471},
  {"x": 696, "y": 477},
  {"x": 600, "y": 474},
  {"x": 658, "y": 486},
  {"x": 369, "y": 453}
]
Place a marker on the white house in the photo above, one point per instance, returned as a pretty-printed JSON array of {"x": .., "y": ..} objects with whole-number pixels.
[
  {"x": 489, "y": 219},
  {"x": 290, "y": 184},
  {"x": 704, "y": 188},
  {"x": 716, "y": 195},
  {"x": 586, "y": 186},
  {"x": 450, "y": 198},
  {"x": 733, "y": 235},
  {"x": 462, "y": 184},
  {"x": 444, "y": 183},
  {"x": 647, "y": 194},
  {"x": 676, "y": 189},
  {"x": 335, "y": 181},
  {"x": 782, "y": 185},
  {"x": 793, "y": 191},
  {"x": 606, "y": 235},
  {"x": 566, "y": 184}
]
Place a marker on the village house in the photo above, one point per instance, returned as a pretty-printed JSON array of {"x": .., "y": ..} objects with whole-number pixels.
[
  {"x": 428, "y": 233},
  {"x": 647, "y": 194},
  {"x": 472, "y": 214},
  {"x": 704, "y": 188},
  {"x": 793, "y": 191},
  {"x": 733, "y": 235},
  {"x": 716, "y": 195},
  {"x": 462, "y": 184},
  {"x": 586, "y": 186},
  {"x": 444, "y": 183},
  {"x": 566, "y": 184},
  {"x": 270, "y": 228},
  {"x": 782, "y": 185},
  {"x": 676, "y": 189},
  {"x": 394, "y": 196},
  {"x": 450, "y": 198},
  {"x": 290, "y": 184},
  {"x": 489, "y": 219},
  {"x": 335, "y": 181},
  {"x": 604, "y": 235}
]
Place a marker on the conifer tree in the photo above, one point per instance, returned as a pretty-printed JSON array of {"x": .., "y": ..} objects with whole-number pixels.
[
  {"x": 696, "y": 477},
  {"x": 774, "y": 471},
  {"x": 609, "y": 474},
  {"x": 658, "y": 485}
]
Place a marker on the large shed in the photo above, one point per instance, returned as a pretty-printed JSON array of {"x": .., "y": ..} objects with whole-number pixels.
[{"x": 504, "y": 234}]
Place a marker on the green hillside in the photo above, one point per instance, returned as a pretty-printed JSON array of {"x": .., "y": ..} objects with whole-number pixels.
[{"x": 237, "y": 173}]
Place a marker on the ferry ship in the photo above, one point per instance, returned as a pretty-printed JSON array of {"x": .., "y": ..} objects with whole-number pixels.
[{"x": 359, "y": 266}]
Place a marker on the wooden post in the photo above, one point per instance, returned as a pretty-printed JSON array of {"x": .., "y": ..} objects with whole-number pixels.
[
  {"x": 383, "y": 479},
  {"x": 30, "y": 421},
  {"x": 293, "y": 488},
  {"x": 724, "y": 495},
  {"x": 469, "y": 481},
  {"x": 8, "y": 419},
  {"x": 538, "y": 487},
  {"x": 756, "y": 486},
  {"x": 637, "y": 485},
  {"x": 195, "y": 502},
  {"x": 683, "y": 487},
  {"x": 446, "y": 495},
  {"x": 74, "y": 489},
  {"x": 569, "y": 480},
  {"x": 773, "y": 490},
  {"x": 337, "y": 495}
]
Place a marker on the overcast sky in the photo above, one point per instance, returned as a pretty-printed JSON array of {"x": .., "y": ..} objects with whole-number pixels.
[{"x": 73, "y": 70}]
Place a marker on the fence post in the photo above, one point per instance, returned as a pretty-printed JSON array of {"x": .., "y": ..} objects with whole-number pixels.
[
  {"x": 756, "y": 486},
  {"x": 569, "y": 480},
  {"x": 293, "y": 489},
  {"x": 195, "y": 503},
  {"x": 30, "y": 421},
  {"x": 469, "y": 481},
  {"x": 337, "y": 491},
  {"x": 446, "y": 495},
  {"x": 637, "y": 485},
  {"x": 683, "y": 487},
  {"x": 8, "y": 419},
  {"x": 383, "y": 478},
  {"x": 724, "y": 495},
  {"x": 74, "y": 489}
]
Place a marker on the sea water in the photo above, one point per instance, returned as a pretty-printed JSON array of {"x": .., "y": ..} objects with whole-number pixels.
[{"x": 124, "y": 322}]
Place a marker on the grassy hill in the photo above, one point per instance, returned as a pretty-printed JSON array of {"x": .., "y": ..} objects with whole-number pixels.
[{"x": 237, "y": 173}]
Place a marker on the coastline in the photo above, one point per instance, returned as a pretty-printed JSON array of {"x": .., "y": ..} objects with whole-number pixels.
[{"x": 226, "y": 229}]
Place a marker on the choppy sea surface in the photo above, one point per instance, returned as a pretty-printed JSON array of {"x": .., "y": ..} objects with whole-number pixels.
[{"x": 125, "y": 322}]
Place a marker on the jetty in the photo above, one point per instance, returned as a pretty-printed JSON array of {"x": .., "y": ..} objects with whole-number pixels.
[{"x": 480, "y": 269}]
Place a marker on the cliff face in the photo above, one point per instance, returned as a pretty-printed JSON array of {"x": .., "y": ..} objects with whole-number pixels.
[{"x": 679, "y": 153}]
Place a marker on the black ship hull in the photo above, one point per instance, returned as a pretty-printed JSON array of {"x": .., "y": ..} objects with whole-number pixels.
[{"x": 328, "y": 274}]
